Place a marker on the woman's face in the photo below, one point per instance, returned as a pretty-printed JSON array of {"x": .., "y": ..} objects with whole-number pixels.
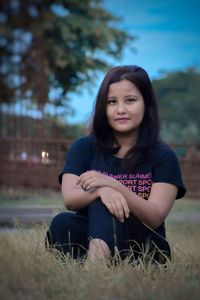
[{"x": 125, "y": 107}]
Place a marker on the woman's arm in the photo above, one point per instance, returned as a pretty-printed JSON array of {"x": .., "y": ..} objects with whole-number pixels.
[
  {"x": 76, "y": 198},
  {"x": 151, "y": 212}
]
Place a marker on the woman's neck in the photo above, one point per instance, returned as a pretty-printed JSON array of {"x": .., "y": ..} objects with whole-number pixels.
[{"x": 126, "y": 142}]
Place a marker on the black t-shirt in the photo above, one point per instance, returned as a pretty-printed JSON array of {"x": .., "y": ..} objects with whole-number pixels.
[{"x": 162, "y": 166}]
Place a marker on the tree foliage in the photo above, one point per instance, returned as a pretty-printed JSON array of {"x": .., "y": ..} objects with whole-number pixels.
[
  {"x": 54, "y": 44},
  {"x": 178, "y": 97}
]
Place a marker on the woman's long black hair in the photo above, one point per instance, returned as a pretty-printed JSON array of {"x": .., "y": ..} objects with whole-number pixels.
[{"x": 149, "y": 128}]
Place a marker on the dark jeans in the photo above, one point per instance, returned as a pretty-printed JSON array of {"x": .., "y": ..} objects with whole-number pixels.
[{"x": 71, "y": 232}]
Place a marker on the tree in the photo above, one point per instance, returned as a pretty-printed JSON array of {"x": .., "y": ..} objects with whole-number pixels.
[
  {"x": 178, "y": 98},
  {"x": 54, "y": 45}
]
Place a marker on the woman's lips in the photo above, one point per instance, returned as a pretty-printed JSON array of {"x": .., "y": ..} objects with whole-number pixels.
[{"x": 122, "y": 120}]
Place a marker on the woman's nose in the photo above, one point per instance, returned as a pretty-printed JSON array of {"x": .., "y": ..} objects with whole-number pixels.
[{"x": 120, "y": 108}]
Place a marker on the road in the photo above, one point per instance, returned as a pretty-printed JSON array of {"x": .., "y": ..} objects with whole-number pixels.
[
  {"x": 28, "y": 215},
  {"x": 9, "y": 217}
]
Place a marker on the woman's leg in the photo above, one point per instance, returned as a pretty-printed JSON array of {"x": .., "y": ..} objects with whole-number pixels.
[
  {"x": 68, "y": 233},
  {"x": 145, "y": 242},
  {"x": 161, "y": 248},
  {"x": 105, "y": 231}
]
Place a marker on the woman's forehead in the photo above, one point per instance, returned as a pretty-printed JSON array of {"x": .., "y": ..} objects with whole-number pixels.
[{"x": 124, "y": 86}]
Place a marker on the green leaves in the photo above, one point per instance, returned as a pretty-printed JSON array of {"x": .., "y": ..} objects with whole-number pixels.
[
  {"x": 64, "y": 39},
  {"x": 178, "y": 98}
]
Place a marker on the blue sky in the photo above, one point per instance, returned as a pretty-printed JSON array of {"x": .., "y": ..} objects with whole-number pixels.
[{"x": 168, "y": 38}]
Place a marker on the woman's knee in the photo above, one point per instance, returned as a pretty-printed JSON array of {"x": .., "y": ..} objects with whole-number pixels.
[
  {"x": 60, "y": 221},
  {"x": 67, "y": 231},
  {"x": 57, "y": 234},
  {"x": 59, "y": 226}
]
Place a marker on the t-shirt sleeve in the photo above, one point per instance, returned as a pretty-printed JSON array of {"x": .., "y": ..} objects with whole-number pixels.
[
  {"x": 167, "y": 169},
  {"x": 78, "y": 158}
]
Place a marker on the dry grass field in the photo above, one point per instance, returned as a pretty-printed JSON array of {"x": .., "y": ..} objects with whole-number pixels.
[{"x": 28, "y": 271}]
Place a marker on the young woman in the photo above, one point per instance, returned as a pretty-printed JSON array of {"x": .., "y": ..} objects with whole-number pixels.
[{"x": 121, "y": 179}]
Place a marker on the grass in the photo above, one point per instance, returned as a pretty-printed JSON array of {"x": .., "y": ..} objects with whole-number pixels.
[
  {"x": 19, "y": 197},
  {"x": 186, "y": 205},
  {"x": 10, "y": 197},
  {"x": 29, "y": 272}
]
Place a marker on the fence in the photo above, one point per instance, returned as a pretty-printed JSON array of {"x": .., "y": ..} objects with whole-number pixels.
[
  {"x": 189, "y": 158},
  {"x": 36, "y": 163},
  {"x": 31, "y": 162}
]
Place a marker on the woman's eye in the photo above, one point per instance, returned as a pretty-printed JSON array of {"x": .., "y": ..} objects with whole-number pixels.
[
  {"x": 112, "y": 101},
  {"x": 130, "y": 100}
]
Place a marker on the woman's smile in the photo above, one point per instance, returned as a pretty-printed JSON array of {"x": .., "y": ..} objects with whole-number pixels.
[
  {"x": 125, "y": 107},
  {"x": 122, "y": 120}
]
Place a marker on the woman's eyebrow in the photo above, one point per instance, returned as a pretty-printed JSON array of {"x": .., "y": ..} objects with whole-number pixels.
[
  {"x": 112, "y": 97},
  {"x": 127, "y": 96},
  {"x": 132, "y": 95}
]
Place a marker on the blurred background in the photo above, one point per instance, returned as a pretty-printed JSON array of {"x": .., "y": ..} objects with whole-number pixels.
[{"x": 53, "y": 56}]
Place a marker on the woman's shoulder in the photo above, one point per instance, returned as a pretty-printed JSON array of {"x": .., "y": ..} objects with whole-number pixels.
[
  {"x": 161, "y": 146},
  {"x": 84, "y": 142},
  {"x": 161, "y": 150}
]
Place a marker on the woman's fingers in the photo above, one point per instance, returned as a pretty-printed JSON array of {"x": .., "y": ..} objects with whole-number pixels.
[
  {"x": 119, "y": 209},
  {"x": 125, "y": 207},
  {"x": 115, "y": 202},
  {"x": 82, "y": 178},
  {"x": 92, "y": 179},
  {"x": 115, "y": 206},
  {"x": 86, "y": 183}
]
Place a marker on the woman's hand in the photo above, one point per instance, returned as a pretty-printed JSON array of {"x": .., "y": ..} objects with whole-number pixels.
[
  {"x": 112, "y": 199},
  {"x": 115, "y": 202},
  {"x": 92, "y": 179}
]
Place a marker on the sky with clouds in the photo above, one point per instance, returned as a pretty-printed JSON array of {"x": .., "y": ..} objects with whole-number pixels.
[{"x": 168, "y": 38}]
